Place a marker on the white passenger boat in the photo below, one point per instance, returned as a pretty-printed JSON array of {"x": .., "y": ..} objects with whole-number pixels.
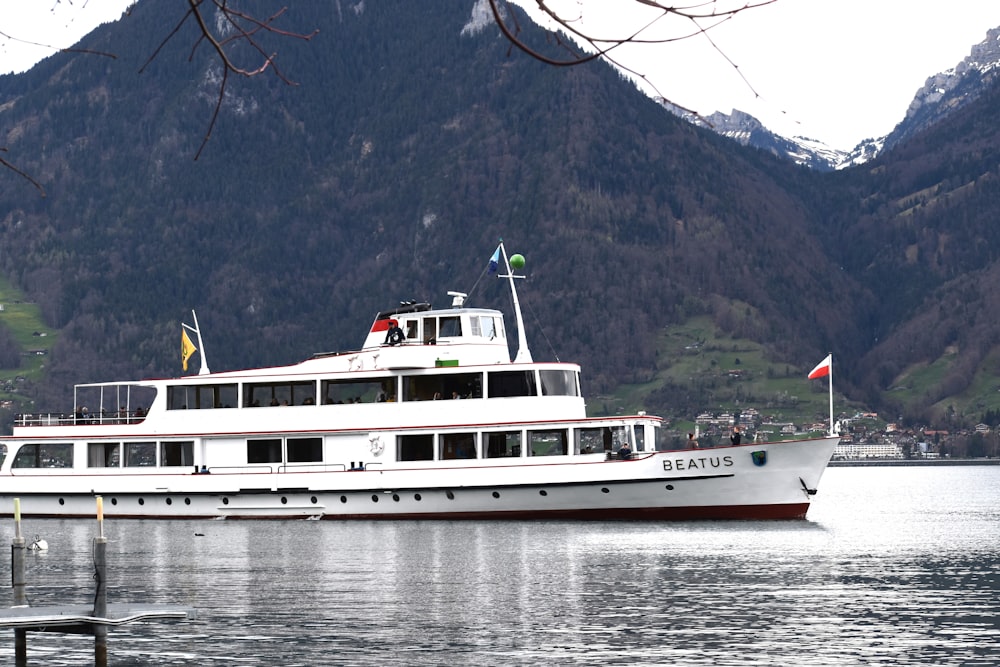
[{"x": 430, "y": 420}]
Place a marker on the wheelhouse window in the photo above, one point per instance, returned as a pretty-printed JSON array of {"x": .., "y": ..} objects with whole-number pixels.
[
  {"x": 46, "y": 455},
  {"x": 600, "y": 439},
  {"x": 444, "y": 387},
  {"x": 547, "y": 442},
  {"x": 559, "y": 383},
  {"x": 304, "y": 450},
  {"x": 140, "y": 454},
  {"x": 659, "y": 440},
  {"x": 503, "y": 384},
  {"x": 360, "y": 390},
  {"x": 415, "y": 447},
  {"x": 486, "y": 326},
  {"x": 201, "y": 396},
  {"x": 264, "y": 450},
  {"x": 270, "y": 394},
  {"x": 640, "y": 438},
  {"x": 177, "y": 454},
  {"x": 104, "y": 455},
  {"x": 457, "y": 446},
  {"x": 449, "y": 327},
  {"x": 503, "y": 444}
]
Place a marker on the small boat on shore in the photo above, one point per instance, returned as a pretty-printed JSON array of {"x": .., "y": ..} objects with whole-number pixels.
[{"x": 429, "y": 419}]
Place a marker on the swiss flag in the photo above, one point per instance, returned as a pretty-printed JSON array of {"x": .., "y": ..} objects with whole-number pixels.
[{"x": 822, "y": 368}]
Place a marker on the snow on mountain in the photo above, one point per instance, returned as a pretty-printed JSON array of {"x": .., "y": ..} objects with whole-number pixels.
[{"x": 941, "y": 95}]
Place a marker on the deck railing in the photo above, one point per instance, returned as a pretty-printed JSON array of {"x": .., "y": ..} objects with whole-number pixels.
[{"x": 63, "y": 419}]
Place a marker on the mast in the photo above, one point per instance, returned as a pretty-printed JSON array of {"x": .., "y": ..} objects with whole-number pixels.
[
  {"x": 201, "y": 345},
  {"x": 523, "y": 353}
]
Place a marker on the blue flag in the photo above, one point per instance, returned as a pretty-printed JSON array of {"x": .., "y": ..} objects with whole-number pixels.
[{"x": 495, "y": 260}]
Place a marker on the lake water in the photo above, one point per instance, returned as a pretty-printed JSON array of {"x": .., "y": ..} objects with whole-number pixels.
[{"x": 894, "y": 566}]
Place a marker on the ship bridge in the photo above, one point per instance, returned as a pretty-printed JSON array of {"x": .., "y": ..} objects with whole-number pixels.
[{"x": 469, "y": 335}]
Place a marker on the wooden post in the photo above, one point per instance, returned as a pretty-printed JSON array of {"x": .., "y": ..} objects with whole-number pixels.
[
  {"x": 100, "y": 601},
  {"x": 17, "y": 582},
  {"x": 101, "y": 594}
]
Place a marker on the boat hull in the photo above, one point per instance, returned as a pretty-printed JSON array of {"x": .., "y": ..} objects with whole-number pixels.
[{"x": 757, "y": 481}]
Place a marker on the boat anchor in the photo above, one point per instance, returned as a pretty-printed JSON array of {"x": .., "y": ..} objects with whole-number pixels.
[{"x": 805, "y": 487}]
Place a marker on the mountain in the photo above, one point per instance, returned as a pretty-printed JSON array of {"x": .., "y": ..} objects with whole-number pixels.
[
  {"x": 412, "y": 138},
  {"x": 946, "y": 92},
  {"x": 942, "y": 94}
]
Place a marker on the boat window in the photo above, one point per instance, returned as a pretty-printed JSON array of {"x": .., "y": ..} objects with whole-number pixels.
[
  {"x": 103, "y": 455},
  {"x": 457, "y": 446},
  {"x": 177, "y": 454},
  {"x": 503, "y": 444},
  {"x": 361, "y": 390},
  {"x": 547, "y": 443},
  {"x": 412, "y": 329},
  {"x": 3, "y": 454},
  {"x": 433, "y": 387},
  {"x": 430, "y": 330},
  {"x": 599, "y": 439},
  {"x": 559, "y": 383},
  {"x": 140, "y": 454},
  {"x": 45, "y": 455},
  {"x": 305, "y": 450},
  {"x": 201, "y": 396},
  {"x": 450, "y": 327},
  {"x": 415, "y": 447},
  {"x": 272, "y": 394},
  {"x": 265, "y": 450},
  {"x": 511, "y": 383},
  {"x": 487, "y": 326},
  {"x": 640, "y": 438},
  {"x": 659, "y": 441}
]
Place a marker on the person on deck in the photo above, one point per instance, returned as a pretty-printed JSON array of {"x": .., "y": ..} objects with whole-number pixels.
[
  {"x": 395, "y": 335},
  {"x": 692, "y": 442},
  {"x": 735, "y": 437}
]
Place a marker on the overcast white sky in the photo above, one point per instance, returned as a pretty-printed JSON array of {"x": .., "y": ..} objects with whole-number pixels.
[{"x": 835, "y": 70}]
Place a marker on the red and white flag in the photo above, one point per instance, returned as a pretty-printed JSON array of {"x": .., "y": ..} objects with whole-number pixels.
[{"x": 822, "y": 368}]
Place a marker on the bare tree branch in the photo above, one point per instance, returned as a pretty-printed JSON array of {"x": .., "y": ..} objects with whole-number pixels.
[
  {"x": 246, "y": 30},
  {"x": 588, "y": 45},
  {"x": 8, "y": 165}
]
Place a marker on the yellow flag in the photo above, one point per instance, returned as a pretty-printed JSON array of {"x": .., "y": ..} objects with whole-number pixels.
[{"x": 187, "y": 348}]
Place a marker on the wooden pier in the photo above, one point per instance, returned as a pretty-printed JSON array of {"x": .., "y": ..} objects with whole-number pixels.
[{"x": 74, "y": 619}]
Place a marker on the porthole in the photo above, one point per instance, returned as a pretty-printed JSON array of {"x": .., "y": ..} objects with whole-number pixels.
[
  {"x": 374, "y": 498},
  {"x": 114, "y": 501},
  {"x": 416, "y": 496},
  {"x": 141, "y": 501},
  {"x": 605, "y": 489},
  {"x": 187, "y": 501},
  {"x": 313, "y": 500},
  {"x": 225, "y": 501},
  {"x": 284, "y": 500},
  {"x": 543, "y": 492},
  {"x": 63, "y": 502},
  {"x": 169, "y": 501},
  {"x": 343, "y": 499},
  {"x": 669, "y": 487},
  {"x": 395, "y": 497},
  {"x": 496, "y": 494},
  {"x": 451, "y": 496}
]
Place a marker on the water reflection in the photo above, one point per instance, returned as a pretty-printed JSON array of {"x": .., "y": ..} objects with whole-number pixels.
[{"x": 894, "y": 565}]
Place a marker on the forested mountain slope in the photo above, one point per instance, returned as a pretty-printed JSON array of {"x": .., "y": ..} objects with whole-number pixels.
[{"x": 411, "y": 143}]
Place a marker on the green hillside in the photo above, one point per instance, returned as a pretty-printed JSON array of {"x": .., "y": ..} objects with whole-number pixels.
[{"x": 31, "y": 339}]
